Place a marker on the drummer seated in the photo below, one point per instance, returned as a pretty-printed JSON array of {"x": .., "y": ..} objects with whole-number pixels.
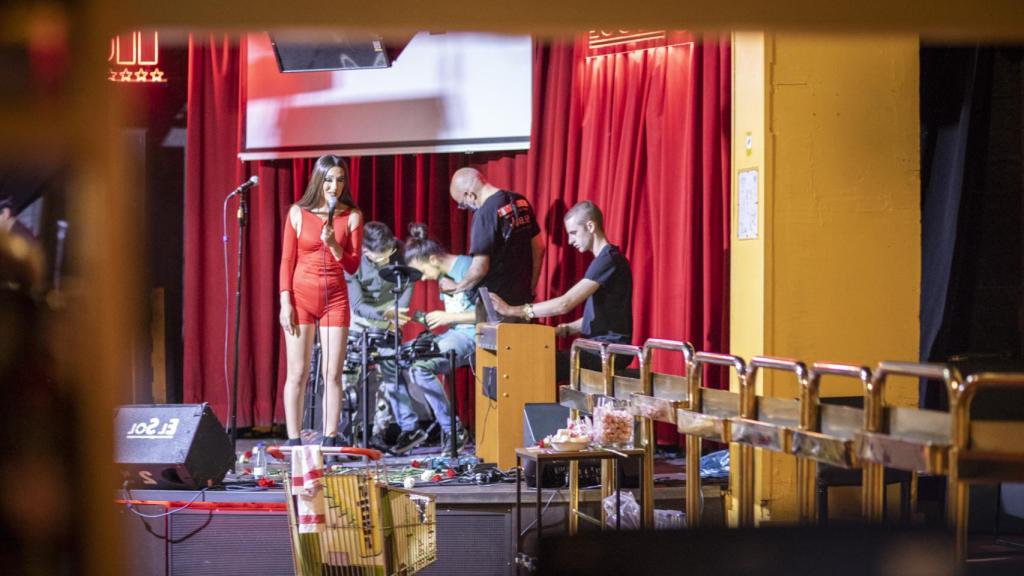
[
  {"x": 434, "y": 262},
  {"x": 372, "y": 298}
]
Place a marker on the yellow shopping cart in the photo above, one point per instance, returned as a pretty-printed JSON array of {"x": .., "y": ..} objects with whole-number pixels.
[{"x": 370, "y": 528}]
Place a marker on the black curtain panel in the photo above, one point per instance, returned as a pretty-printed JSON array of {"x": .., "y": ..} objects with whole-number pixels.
[
  {"x": 972, "y": 113},
  {"x": 948, "y": 86}
]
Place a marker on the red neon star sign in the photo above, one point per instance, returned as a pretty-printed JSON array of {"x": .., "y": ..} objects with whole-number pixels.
[{"x": 137, "y": 50}]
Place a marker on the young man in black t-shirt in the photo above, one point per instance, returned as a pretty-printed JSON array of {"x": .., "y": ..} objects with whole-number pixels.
[
  {"x": 607, "y": 289},
  {"x": 505, "y": 239}
]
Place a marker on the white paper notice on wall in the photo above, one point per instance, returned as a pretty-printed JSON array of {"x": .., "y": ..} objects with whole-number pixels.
[{"x": 747, "y": 209}]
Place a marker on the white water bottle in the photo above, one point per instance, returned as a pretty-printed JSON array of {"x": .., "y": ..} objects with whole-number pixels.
[{"x": 259, "y": 461}]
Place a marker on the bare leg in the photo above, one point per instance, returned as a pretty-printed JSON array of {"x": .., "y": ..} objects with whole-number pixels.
[
  {"x": 297, "y": 351},
  {"x": 333, "y": 341}
]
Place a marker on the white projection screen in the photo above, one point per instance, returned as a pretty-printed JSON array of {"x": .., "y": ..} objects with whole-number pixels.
[{"x": 451, "y": 92}]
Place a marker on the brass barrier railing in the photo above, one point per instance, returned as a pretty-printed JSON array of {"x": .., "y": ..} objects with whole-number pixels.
[
  {"x": 984, "y": 451},
  {"x": 585, "y": 391},
  {"x": 585, "y": 386},
  {"x": 707, "y": 416},
  {"x": 662, "y": 393},
  {"x": 656, "y": 398},
  {"x": 910, "y": 439},
  {"x": 880, "y": 436},
  {"x": 582, "y": 395},
  {"x": 622, "y": 387},
  {"x": 826, "y": 434},
  {"x": 764, "y": 422}
]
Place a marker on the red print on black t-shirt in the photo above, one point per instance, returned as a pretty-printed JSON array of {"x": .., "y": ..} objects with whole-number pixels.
[{"x": 517, "y": 214}]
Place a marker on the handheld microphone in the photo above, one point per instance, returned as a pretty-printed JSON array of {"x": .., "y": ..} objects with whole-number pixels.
[
  {"x": 245, "y": 186},
  {"x": 332, "y": 202}
]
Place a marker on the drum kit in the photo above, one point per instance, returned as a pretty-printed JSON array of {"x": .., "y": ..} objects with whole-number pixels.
[{"x": 366, "y": 352}]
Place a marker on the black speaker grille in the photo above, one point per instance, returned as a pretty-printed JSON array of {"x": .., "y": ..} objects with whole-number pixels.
[
  {"x": 230, "y": 544},
  {"x": 348, "y": 52},
  {"x": 143, "y": 542},
  {"x": 473, "y": 544},
  {"x": 171, "y": 445}
]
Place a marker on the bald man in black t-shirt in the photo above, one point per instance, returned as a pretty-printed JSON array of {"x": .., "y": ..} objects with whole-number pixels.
[
  {"x": 505, "y": 240},
  {"x": 606, "y": 289}
]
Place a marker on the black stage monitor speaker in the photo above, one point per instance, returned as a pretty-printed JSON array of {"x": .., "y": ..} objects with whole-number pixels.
[
  {"x": 348, "y": 51},
  {"x": 174, "y": 446}
]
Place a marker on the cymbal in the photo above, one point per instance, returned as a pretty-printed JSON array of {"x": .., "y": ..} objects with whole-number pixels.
[{"x": 392, "y": 272}]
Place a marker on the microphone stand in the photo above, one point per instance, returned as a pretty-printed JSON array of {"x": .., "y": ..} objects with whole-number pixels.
[
  {"x": 243, "y": 217},
  {"x": 397, "y": 291},
  {"x": 364, "y": 361},
  {"x": 453, "y": 448},
  {"x": 313, "y": 384}
]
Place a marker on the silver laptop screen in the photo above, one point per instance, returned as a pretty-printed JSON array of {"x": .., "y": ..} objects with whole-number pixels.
[{"x": 485, "y": 297}]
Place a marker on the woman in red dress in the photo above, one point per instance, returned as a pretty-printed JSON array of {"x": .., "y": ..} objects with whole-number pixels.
[{"x": 314, "y": 259}]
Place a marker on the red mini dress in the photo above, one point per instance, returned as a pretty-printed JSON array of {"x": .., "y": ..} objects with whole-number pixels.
[{"x": 315, "y": 280}]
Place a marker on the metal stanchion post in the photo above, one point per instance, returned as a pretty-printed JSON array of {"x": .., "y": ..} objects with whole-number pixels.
[
  {"x": 365, "y": 377},
  {"x": 452, "y": 407}
]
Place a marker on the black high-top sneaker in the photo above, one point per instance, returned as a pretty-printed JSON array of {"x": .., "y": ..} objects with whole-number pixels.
[{"x": 408, "y": 440}]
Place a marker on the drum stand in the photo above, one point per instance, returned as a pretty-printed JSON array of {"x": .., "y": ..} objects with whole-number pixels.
[
  {"x": 401, "y": 275},
  {"x": 453, "y": 448},
  {"x": 313, "y": 387},
  {"x": 396, "y": 291},
  {"x": 364, "y": 381},
  {"x": 314, "y": 391},
  {"x": 365, "y": 404}
]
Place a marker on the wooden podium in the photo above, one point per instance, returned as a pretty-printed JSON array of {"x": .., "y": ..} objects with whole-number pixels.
[{"x": 515, "y": 365}]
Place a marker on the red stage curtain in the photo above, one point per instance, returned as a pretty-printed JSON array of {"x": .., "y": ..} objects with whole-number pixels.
[
  {"x": 643, "y": 134},
  {"x": 212, "y": 171},
  {"x": 646, "y": 136}
]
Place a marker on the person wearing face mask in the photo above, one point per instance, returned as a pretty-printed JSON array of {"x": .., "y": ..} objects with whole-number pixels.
[
  {"x": 459, "y": 316},
  {"x": 373, "y": 310},
  {"x": 322, "y": 241},
  {"x": 505, "y": 240},
  {"x": 606, "y": 289}
]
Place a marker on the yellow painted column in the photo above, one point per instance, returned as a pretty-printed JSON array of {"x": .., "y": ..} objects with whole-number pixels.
[{"x": 826, "y": 159}]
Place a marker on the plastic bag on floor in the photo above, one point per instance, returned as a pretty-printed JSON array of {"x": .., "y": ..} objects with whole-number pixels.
[
  {"x": 715, "y": 465},
  {"x": 669, "y": 519},
  {"x": 630, "y": 511},
  {"x": 663, "y": 519}
]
